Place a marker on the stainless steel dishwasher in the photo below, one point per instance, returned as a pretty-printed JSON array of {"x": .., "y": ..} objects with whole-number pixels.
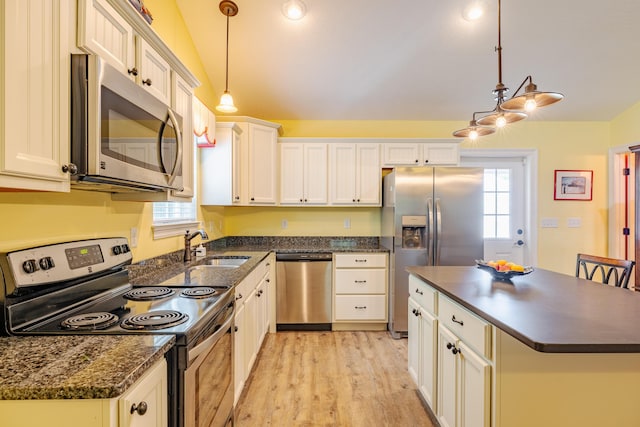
[{"x": 303, "y": 291}]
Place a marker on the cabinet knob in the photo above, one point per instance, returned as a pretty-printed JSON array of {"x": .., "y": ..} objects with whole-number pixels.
[
  {"x": 300, "y": 200},
  {"x": 147, "y": 82},
  {"x": 426, "y": 161},
  {"x": 140, "y": 408},
  {"x": 417, "y": 161},
  {"x": 133, "y": 71},
  {"x": 71, "y": 168},
  {"x": 253, "y": 199}
]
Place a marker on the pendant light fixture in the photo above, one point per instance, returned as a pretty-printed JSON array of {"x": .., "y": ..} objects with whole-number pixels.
[
  {"x": 228, "y": 8},
  {"x": 511, "y": 110}
]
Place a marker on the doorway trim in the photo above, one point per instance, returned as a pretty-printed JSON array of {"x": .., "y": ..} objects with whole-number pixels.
[{"x": 530, "y": 157}]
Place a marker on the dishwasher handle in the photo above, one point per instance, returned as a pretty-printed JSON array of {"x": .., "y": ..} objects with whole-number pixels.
[{"x": 304, "y": 256}]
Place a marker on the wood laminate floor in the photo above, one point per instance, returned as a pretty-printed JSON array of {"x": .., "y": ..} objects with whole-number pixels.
[{"x": 331, "y": 379}]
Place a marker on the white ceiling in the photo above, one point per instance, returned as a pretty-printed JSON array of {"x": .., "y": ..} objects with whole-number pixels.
[{"x": 418, "y": 59}]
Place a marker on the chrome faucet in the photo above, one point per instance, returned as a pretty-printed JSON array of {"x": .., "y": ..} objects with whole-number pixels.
[{"x": 188, "y": 252}]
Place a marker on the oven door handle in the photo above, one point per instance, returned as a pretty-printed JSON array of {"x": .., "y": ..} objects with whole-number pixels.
[{"x": 205, "y": 345}]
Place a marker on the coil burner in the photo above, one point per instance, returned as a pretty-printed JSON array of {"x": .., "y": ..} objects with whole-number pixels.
[
  {"x": 159, "y": 319},
  {"x": 148, "y": 294},
  {"x": 200, "y": 292},
  {"x": 90, "y": 321}
]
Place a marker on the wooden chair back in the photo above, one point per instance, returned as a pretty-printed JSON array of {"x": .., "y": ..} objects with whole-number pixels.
[{"x": 618, "y": 269}]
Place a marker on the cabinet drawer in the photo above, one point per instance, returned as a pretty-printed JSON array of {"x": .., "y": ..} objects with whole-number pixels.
[
  {"x": 423, "y": 294},
  {"x": 361, "y": 260},
  {"x": 361, "y": 307},
  {"x": 471, "y": 329},
  {"x": 360, "y": 281}
]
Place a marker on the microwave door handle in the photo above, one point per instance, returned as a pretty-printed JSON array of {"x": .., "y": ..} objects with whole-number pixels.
[{"x": 176, "y": 128}]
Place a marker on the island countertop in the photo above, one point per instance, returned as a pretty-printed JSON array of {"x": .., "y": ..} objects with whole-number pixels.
[{"x": 547, "y": 311}]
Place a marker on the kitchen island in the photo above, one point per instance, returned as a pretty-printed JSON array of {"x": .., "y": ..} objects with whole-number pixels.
[{"x": 544, "y": 349}]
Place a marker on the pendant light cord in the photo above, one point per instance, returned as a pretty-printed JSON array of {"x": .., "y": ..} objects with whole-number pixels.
[
  {"x": 227, "y": 63},
  {"x": 499, "y": 48}
]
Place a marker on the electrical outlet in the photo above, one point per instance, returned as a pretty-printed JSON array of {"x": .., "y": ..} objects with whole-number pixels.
[
  {"x": 284, "y": 224},
  {"x": 133, "y": 241},
  {"x": 549, "y": 223},
  {"x": 347, "y": 223}
]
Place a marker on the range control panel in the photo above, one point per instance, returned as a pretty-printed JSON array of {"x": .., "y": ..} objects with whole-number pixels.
[{"x": 67, "y": 261}]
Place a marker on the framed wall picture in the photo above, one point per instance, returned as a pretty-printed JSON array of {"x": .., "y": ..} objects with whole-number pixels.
[{"x": 573, "y": 185}]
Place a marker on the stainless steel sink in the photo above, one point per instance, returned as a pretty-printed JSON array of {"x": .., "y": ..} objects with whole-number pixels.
[{"x": 222, "y": 262}]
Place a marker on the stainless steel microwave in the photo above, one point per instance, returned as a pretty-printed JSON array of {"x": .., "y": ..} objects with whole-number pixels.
[{"x": 123, "y": 138}]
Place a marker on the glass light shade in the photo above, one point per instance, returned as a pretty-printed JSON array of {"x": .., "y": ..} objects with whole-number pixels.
[
  {"x": 531, "y": 98},
  {"x": 226, "y": 104},
  {"x": 294, "y": 9},
  {"x": 501, "y": 118},
  {"x": 473, "y": 131}
]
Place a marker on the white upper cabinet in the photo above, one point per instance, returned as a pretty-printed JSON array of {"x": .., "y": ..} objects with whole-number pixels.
[
  {"x": 262, "y": 171},
  {"x": 34, "y": 94},
  {"x": 154, "y": 72},
  {"x": 242, "y": 169},
  {"x": 354, "y": 174},
  {"x": 303, "y": 173},
  {"x": 420, "y": 152}
]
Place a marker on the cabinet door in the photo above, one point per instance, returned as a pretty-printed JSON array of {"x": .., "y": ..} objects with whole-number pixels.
[
  {"x": 440, "y": 153},
  {"x": 447, "y": 378},
  {"x": 151, "y": 390},
  {"x": 154, "y": 73},
  {"x": 395, "y": 154},
  {"x": 474, "y": 389},
  {"x": 369, "y": 178},
  {"x": 239, "y": 367},
  {"x": 250, "y": 318},
  {"x": 102, "y": 31},
  {"x": 343, "y": 174},
  {"x": 34, "y": 91},
  {"x": 414, "y": 346},
  {"x": 428, "y": 366},
  {"x": 292, "y": 174},
  {"x": 315, "y": 174},
  {"x": 262, "y": 164},
  {"x": 182, "y": 104},
  {"x": 262, "y": 320}
]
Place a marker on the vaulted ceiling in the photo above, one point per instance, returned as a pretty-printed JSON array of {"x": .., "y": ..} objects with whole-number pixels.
[{"x": 419, "y": 59}]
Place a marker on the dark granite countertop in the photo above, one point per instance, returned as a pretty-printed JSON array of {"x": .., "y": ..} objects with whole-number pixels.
[
  {"x": 548, "y": 311},
  {"x": 76, "y": 366}
]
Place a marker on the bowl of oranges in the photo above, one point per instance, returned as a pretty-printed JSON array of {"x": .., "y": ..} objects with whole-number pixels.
[{"x": 503, "y": 269}]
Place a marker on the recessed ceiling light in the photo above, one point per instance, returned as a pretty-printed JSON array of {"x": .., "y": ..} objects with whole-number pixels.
[{"x": 294, "y": 9}]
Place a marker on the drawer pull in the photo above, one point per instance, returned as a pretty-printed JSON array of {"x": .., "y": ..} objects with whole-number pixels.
[
  {"x": 361, "y": 260},
  {"x": 453, "y": 319},
  {"x": 140, "y": 408},
  {"x": 419, "y": 292},
  {"x": 360, "y": 281},
  {"x": 239, "y": 297},
  {"x": 360, "y": 307},
  {"x": 453, "y": 348}
]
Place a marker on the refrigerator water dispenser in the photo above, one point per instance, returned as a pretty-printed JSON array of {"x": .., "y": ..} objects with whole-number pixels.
[{"x": 413, "y": 231}]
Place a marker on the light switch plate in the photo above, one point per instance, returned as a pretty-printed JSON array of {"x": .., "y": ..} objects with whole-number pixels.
[
  {"x": 574, "y": 222},
  {"x": 134, "y": 237},
  {"x": 549, "y": 223},
  {"x": 284, "y": 224},
  {"x": 347, "y": 223}
]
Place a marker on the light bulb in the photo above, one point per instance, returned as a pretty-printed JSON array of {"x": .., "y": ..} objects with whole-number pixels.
[
  {"x": 473, "y": 135},
  {"x": 530, "y": 104},
  {"x": 501, "y": 121},
  {"x": 294, "y": 9},
  {"x": 226, "y": 103}
]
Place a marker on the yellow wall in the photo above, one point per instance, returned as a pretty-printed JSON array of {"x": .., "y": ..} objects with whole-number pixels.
[{"x": 33, "y": 218}]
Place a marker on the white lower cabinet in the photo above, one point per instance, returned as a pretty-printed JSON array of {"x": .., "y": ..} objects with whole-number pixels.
[
  {"x": 450, "y": 358},
  {"x": 422, "y": 351},
  {"x": 252, "y": 320},
  {"x": 360, "y": 288},
  {"x": 149, "y": 391}
]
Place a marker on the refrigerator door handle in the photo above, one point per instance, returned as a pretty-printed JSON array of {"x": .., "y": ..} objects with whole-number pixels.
[
  {"x": 430, "y": 231},
  {"x": 438, "y": 232}
]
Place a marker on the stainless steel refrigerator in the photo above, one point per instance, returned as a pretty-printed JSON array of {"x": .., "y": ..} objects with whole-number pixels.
[{"x": 430, "y": 216}]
